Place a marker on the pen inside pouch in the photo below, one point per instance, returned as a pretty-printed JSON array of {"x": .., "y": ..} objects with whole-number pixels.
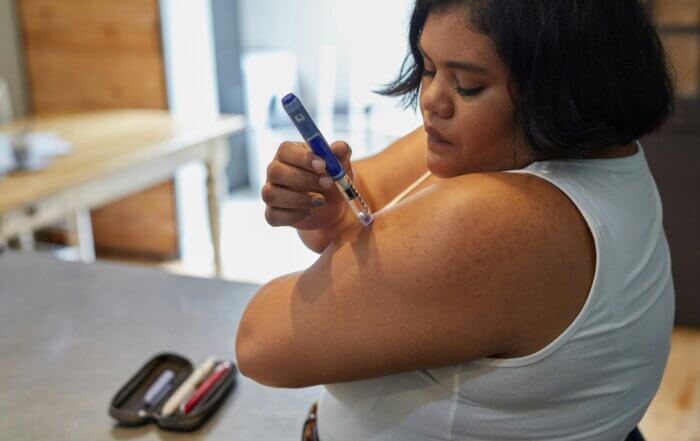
[
  {"x": 157, "y": 391},
  {"x": 207, "y": 388}
]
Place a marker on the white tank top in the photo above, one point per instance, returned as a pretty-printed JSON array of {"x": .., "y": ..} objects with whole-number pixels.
[{"x": 593, "y": 382}]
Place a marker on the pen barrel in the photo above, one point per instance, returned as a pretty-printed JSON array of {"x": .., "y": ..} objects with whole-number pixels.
[
  {"x": 187, "y": 387},
  {"x": 206, "y": 387},
  {"x": 312, "y": 135}
]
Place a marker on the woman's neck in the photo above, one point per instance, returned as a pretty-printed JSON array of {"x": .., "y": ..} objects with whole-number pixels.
[{"x": 619, "y": 151}]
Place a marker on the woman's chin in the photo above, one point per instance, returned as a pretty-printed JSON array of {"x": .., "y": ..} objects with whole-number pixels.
[{"x": 440, "y": 166}]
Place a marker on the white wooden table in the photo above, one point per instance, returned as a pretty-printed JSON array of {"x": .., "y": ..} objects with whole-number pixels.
[{"x": 115, "y": 153}]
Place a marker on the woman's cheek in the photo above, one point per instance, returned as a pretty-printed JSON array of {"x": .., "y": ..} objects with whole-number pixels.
[{"x": 485, "y": 133}]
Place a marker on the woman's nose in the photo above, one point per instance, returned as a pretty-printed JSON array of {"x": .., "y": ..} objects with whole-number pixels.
[{"x": 436, "y": 100}]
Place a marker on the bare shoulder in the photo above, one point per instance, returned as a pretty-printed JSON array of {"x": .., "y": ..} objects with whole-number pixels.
[
  {"x": 551, "y": 252},
  {"x": 501, "y": 248}
]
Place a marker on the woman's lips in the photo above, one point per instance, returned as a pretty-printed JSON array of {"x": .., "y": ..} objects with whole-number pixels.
[
  {"x": 435, "y": 138},
  {"x": 431, "y": 138}
]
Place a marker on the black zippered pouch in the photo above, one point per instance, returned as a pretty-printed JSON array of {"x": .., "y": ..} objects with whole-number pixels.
[{"x": 129, "y": 409}]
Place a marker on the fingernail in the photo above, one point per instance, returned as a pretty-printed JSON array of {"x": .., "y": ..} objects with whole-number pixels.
[
  {"x": 325, "y": 182},
  {"x": 318, "y": 164},
  {"x": 317, "y": 202}
]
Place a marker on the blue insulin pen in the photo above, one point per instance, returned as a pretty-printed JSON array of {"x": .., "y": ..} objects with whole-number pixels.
[{"x": 306, "y": 126}]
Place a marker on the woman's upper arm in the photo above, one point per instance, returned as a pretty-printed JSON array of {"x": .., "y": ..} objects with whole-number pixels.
[{"x": 452, "y": 274}]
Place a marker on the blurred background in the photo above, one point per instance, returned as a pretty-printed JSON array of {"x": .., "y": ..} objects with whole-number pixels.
[
  {"x": 193, "y": 60},
  {"x": 197, "y": 59}
]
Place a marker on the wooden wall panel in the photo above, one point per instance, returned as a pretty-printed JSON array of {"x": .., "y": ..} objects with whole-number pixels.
[
  {"x": 96, "y": 54},
  {"x": 103, "y": 54},
  {"x": 106, "y": 81},
  {"x": 684, "y": 54},
  {"x": 677, "y": 12},
  {"x": 122, "y": 232}
]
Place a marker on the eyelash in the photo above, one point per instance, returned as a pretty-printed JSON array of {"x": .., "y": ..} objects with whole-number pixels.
[{"x": 460, "y": 90}]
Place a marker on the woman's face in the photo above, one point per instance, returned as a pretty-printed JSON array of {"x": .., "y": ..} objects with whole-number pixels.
[{"x": 467, "y": 112}]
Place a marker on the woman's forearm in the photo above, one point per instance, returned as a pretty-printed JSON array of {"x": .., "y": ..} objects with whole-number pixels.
[
  {"x": 318, "y": 240},
  {"x": 379, "y": 179}
]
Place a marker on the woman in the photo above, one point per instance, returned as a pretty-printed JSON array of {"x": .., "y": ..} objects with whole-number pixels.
[{"x": 521, "y": 289}]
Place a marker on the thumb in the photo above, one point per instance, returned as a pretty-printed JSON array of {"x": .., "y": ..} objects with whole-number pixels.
[{"x": 342, "y": 151}]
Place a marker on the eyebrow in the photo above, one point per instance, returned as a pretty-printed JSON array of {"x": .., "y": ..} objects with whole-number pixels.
[{"x": 461, "y": 65}]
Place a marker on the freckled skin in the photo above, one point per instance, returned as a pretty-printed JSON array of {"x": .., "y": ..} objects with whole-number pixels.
[{"x": 472, "y": 263}]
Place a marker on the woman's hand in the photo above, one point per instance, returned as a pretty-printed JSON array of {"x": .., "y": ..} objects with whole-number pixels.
[{"x": 299, "y": 193}]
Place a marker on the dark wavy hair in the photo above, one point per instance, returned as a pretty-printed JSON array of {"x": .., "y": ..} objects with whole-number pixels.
[{"x": 586, "y": 74}]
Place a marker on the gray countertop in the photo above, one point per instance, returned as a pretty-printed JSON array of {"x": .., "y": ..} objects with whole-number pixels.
[{"x": 72, "y": 334}]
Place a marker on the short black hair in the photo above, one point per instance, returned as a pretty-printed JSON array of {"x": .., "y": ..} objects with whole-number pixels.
[{"x": 586, "y": 74}]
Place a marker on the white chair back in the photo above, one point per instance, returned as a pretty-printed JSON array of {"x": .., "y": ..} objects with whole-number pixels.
[
  {"x": 268, "y": 75},
  {"x": 6, "y": 114}
]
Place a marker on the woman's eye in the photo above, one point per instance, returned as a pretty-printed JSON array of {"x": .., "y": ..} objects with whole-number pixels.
[
  {"x": 468, "y": 92},
  {"x": 462, "y": 91}
]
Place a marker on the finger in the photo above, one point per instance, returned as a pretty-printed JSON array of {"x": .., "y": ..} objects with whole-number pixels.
[
  {"x": 299, "y": 155},
  {"x": 278, "y": 217},
  {"x": 295, "y": 178},
  {"x": 280, "y": 197}
]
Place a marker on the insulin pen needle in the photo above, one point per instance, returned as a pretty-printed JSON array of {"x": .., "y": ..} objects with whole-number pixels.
[
  {"x": 309, "y": 131},
  {"x": 187, "y": 387}
]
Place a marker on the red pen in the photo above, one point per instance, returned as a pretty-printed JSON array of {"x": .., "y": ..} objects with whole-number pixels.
[{"x": 206, "y": 386}]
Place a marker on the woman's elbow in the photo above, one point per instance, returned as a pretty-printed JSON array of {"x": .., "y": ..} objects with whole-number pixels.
[
  {"x": 313, "y": 241},
  {"x": 264, "y": 350},
  {"x": 261, "y": 363},
  {"x": 259, "y": 368}
]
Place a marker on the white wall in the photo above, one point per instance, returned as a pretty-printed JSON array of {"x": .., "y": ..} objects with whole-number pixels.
[
  {"x": 188, "y": 50},
  {"x": 11, "y": 62},
  {"x": 370, "y": 36}
]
